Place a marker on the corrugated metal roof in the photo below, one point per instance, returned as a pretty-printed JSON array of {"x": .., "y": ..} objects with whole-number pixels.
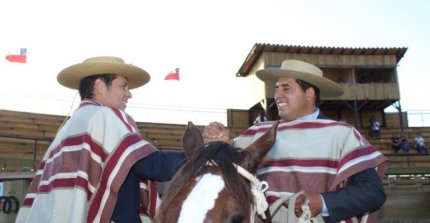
[{"x": 259, "y": 48}]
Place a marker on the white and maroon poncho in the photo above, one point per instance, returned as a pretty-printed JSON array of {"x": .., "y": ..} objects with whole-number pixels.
[
  {"x": 314, "y": 155},
  {"x": 83, "y": 169}
]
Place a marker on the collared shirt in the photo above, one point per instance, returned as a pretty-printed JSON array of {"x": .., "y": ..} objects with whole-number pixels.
[{"x": 310, "y": 116}]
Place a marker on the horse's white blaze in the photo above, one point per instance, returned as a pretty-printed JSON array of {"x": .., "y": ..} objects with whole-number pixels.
[{"x": 201, "y": 199}]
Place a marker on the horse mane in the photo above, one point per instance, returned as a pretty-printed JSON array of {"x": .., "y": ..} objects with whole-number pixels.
[{"x": 224, "y": 155}]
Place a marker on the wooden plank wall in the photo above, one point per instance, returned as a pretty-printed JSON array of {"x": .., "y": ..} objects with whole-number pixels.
[
  {"x": 238, "y": 118},
  {"x": 370, "y": 91},
  {"x": 24, "y": 137},
  {"x": 21, "y": 131}
]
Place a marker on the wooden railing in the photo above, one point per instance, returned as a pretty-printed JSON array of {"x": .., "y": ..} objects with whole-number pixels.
[
  {"x": 22, "y": 152},
  {"x": 370, "y": 91}
]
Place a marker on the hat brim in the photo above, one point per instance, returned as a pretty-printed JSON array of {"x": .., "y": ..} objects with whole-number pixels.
[
  {"x": 71, "y": 76},
  {"x": 328, "y": 88}
]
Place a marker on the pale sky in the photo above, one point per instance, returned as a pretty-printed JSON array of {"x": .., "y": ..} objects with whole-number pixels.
[{"x": 207, "y": 40}]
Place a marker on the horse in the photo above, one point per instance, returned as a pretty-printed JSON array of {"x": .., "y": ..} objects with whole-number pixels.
[{"x": 217, "y": 182}]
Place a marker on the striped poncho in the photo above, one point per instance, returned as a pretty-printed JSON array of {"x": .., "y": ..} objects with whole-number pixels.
[
  {"x": 316, "y": 156},
  {"x": 83, "y": 169}
]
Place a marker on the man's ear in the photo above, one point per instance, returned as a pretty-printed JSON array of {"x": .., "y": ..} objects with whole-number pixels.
[
  {"x": 310, "y": 94},
  {"x": 99, "y": 85}
]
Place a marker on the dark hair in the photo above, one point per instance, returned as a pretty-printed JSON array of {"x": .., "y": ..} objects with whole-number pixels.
[
  {"x": 306, "y": 85},
  {"x": 86, "y": 85}
]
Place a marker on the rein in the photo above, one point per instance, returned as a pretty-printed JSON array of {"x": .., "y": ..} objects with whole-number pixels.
[{"x": 257, "y": 188}]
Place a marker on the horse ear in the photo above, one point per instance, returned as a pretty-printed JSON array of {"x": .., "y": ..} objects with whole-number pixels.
[
  {"x": 259, "y": 148},
  {"x": 192, "y": 139}
]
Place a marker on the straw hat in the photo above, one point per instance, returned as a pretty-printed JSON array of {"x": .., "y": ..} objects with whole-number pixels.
[
  {"x": 71, "y": 76},
  {"x": 303, "y": 71}
]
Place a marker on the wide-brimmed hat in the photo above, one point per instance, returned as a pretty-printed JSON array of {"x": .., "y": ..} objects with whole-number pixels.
[
  {"x": 303, "y": 71},
  {"x": 71, "y": 76}
]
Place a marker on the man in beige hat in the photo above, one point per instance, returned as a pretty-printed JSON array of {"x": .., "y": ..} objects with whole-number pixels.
[
  {"x": 326, "y": 164},
  {"x": 94, "y": 169}
]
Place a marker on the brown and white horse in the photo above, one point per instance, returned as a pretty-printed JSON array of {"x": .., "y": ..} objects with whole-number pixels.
[{"x": 217, "y": 184}]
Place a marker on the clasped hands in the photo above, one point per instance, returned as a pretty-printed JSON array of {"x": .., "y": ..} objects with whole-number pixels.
[{"x": 215, "y": 131}]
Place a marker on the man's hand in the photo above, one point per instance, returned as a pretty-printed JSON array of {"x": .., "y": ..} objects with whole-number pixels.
[
  {"x": 215, "y": 131},
  {"x": 314, "y": 202}
]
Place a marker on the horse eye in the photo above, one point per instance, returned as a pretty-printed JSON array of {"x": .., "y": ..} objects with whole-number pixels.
[{"x": 238, "y": 219}]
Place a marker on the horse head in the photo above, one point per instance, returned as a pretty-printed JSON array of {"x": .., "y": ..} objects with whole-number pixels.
[{"x": 214, "y": 184}]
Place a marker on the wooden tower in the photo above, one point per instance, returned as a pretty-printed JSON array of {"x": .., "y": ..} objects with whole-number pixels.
[{"x": 368, "y": 77}]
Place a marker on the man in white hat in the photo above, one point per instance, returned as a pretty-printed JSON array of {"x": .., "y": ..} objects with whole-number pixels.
[
  {"x": 334, "y": 169},
  {"x": 94, "y": 169}
]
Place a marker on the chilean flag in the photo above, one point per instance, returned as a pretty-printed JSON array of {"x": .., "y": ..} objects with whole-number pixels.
[
  {"x": 18, "y": 58},
  {"x": 173, "y": 75}
]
